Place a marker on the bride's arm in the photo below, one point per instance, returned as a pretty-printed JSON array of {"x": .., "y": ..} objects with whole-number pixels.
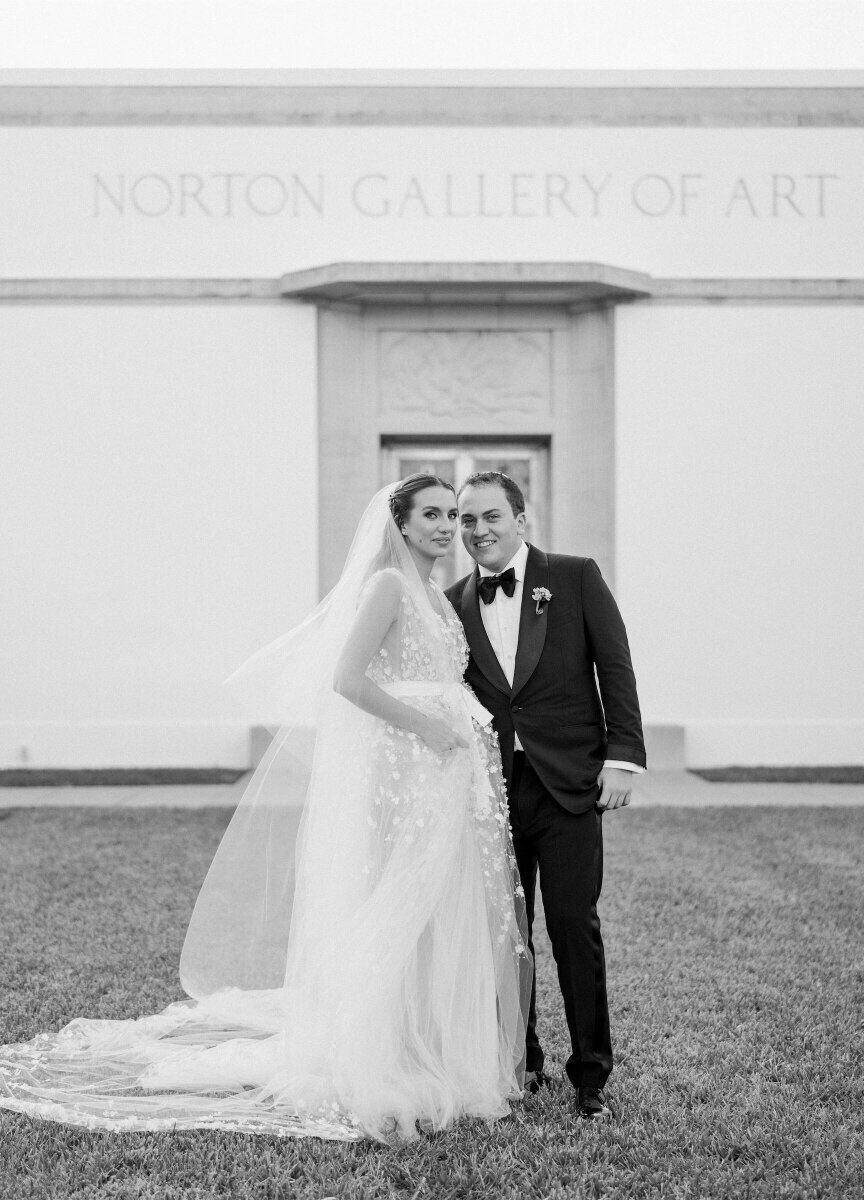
[{"x": 375, "y": 617}]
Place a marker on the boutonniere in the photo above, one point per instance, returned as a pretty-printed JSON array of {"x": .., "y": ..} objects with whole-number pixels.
[{"x": 542, "y": 596}]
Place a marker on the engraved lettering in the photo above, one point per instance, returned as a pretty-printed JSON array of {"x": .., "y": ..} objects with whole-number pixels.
[
  {"x": 741, "y": 193},
  {"x": 653, "y": 195},
  {"x": 229, "y": 177},
  {"x": 278, "y": 195},
  {"x": 686, "y": 194},
  {"x": 596, "y": 193},
  {"x": 783, "y": 188},
  {"x": 317, "y": 202},
  {"x": 119, "y": 200},
  {"x": 820, "y": 189},
  {"x": 192, "y": 193},
  {"x": 162, "y": 188},
  {"x": 359, "y": 200},
  {"x": 556, "y": 196},
  {"x": 557, "y": 187},
  {"x": 481, "y": 195},
  {"x": 414, "y": 192},
  {"x": 517, "y": 195}
]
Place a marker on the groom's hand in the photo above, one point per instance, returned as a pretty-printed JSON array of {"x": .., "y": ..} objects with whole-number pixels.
[{"x": 615, "y": 788}]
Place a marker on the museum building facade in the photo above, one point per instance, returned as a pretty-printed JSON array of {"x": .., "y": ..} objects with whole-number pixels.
[{"x": 230, "y": 311}]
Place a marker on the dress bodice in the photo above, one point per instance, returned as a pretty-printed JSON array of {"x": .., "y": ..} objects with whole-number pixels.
[{"x": 410, "y": 651}]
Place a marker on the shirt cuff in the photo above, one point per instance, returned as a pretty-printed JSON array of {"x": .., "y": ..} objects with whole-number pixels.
[{"x": 624, "y": 766}]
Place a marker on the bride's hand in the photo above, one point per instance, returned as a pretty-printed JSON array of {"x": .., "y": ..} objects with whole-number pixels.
[{"x": 440, "y": 737}]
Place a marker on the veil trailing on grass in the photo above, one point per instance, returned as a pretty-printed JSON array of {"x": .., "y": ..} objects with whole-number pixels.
[
  {"x": 356, "y": 961},
  {"x": 239, "y": 932}
]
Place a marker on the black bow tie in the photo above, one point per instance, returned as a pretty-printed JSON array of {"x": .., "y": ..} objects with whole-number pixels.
[{"x": 489, "y": 585}]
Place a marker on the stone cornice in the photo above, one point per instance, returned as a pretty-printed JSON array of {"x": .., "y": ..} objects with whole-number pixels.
[
  {"x": 48, "y": 291},
  {"x": 461, "y": 282},
  {"x": 563, "y": 284},
  {"x": 367, "y": 103}
]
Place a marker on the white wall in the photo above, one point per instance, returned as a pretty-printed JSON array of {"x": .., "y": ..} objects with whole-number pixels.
[
  {"x": 199, "y": 201},
  {"x": 740, "y": 510},
  {"x": 158, "y": 522}
]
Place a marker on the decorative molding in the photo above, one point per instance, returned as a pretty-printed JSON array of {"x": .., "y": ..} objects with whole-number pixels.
[
  {"x": 484, "y": 373},
  {"x": 426, "y": 77},
  {"x": 765, "y": 291},
  {"x": 460, "y": 282},
  {"x": 568, "y": 285},
  {"x": 49, "y": 291},
  {"x": 364, "y": 104}
]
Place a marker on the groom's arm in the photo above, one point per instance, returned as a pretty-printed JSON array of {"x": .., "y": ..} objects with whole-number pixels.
[{"x": 608, "y": 645}]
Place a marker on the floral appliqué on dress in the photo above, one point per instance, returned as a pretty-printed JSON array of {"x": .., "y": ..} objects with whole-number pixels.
[{"x": 413, "y": 797}]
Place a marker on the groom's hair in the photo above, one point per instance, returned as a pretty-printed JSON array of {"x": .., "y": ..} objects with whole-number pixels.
[{"x": 512, "y": 490}]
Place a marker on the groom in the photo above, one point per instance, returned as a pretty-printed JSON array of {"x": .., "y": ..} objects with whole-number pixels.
[{"x": 539, "y": 626}]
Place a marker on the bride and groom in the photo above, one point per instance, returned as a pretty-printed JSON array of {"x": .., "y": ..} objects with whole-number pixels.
[{"x": 359, "y": 962}]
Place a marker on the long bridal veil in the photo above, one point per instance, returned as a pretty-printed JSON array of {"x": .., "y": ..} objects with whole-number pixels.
[
  {"x": 308, "y": 782},
  {"x": 327, "y": 996}
]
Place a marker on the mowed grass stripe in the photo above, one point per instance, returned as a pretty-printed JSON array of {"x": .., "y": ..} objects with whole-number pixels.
[{"x": 735, "y": 955}]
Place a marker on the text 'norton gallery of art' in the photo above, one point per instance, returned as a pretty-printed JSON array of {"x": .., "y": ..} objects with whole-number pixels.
[{"x": 233, "y": 307}]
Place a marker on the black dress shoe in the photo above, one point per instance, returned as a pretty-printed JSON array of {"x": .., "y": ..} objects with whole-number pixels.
[
  {"x": 592, "y": 1104},
  {"x": 535, "y": 1080}
]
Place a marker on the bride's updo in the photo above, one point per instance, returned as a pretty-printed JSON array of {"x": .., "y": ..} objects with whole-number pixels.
[{"x": 402, "y": 496}]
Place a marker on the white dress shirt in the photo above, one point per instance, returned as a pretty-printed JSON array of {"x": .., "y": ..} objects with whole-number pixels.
[{"x": 501, "y": 622}]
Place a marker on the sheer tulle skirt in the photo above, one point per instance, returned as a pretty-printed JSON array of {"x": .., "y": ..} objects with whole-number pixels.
[{"x": 405, "y": 990}]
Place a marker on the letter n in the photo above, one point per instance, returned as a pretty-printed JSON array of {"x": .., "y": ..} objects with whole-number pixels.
[{"x": 119, "y": 201}]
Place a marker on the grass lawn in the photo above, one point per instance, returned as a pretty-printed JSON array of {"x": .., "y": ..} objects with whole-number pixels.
[{"x": 735, "y": 947}]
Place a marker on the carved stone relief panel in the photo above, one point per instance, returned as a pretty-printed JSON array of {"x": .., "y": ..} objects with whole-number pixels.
[{"x": 488, "y": 373}]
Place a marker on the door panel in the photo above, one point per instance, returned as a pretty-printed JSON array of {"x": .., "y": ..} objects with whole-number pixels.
[{"x": 526, "y": 463}]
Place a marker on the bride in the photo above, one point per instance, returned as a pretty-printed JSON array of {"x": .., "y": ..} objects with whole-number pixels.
[{"x": 356, "y": 962}]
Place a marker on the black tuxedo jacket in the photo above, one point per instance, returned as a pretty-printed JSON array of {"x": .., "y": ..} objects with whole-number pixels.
[{"x": 568, "y": 721}]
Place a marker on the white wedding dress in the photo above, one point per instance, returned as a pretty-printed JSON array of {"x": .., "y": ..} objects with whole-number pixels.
[{"x": 366, "y": 976}]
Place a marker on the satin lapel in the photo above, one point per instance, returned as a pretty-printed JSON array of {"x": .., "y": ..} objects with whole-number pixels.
[
  {"x": 478, "y": 639},
  {"x": 532, "y": 625}
]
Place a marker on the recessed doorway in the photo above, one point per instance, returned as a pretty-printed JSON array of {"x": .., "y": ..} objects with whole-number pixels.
[
  {"x": 526, "y": 387},
  {"x": 526, "y": 461}
]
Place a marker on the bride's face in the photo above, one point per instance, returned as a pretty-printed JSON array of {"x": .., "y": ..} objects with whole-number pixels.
[{"x": 431, "y": 525}]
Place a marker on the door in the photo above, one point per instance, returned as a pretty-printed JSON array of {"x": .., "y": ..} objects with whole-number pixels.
[{"x": 526, "y": 462}]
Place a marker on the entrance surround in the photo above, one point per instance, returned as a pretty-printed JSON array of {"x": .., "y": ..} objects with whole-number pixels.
[{"x": 477, "y": 351}]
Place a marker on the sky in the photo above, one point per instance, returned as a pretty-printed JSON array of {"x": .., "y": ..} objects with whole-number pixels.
[{"x": 824, "y": 35}]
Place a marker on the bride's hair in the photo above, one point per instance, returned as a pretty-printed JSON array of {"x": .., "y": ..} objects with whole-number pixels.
[
  {"x": 400, "y": 501},
  {"x": 402, "y": 496}
]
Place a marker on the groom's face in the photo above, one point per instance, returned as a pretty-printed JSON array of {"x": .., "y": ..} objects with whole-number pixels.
[{"x": 491, "y": 531}]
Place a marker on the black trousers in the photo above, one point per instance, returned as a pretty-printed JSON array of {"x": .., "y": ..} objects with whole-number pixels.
[{"x": 567, "y": 849}]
